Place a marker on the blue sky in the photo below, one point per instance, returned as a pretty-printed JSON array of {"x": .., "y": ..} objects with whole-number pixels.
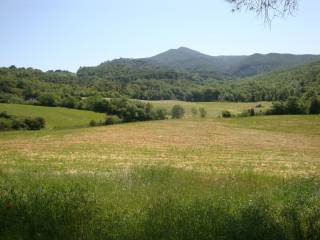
[{"x": 67, "y": 34}]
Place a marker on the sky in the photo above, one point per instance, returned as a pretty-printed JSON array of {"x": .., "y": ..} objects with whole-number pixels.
[{"x": 67, "y": 34}]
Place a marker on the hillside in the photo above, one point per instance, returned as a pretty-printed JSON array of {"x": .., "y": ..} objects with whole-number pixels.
[
  {"x": 181, "y": 74},
  {"x": 56, "y": 117},
  {"x": 188, "y": 60}
]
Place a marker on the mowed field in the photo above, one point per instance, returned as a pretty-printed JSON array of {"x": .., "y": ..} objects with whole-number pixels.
[
  {"x": 239, "y": 178},
  {"x": 281, "y": 145}
]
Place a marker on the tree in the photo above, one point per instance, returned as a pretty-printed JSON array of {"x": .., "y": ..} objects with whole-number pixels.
[
  {"x": 314, "y": 107},
  {"x": 294, "y": 106},
  {"x": 269, "y": 9},
  {"x": 47, "y": 100},
  {"x": 68, "y": 102},
  {"x": 177, "y": 112}
]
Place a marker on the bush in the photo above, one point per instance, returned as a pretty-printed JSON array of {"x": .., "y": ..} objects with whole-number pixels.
[
  {"x": 177, "y": 112},
  {"x": 34, "y": 123},
  {"x": 226, "y": 114},
  {"x": 4, "y": 125},
  {"x": 17, "y": 124},
  {"x": 203, "y": 112},
  {"x": 161, "y": 113},
  {"x": 194, "y": 112},
  {"x": 92, "y": 123},
  {"x": 41, "y": 121},
  {"x": 113, "y": 119},
  {"x": 4, "y": 115},
  {"x": 10, "y": 122}
]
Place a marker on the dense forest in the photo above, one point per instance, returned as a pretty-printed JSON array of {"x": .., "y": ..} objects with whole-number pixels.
[{"x": 147, "y": 79}]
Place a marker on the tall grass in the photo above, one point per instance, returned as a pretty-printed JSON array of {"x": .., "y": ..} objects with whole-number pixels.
[{"x": 158, "y": 203}]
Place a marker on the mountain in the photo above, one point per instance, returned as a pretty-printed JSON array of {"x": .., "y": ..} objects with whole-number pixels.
[
  {"x": 190, "y": 61},
  {"x": 236, "y": 66},
  {"x": 186, "y": 59}
]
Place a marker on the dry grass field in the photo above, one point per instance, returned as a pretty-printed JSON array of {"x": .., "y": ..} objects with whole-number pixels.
[{"x": 271, "y": 145}]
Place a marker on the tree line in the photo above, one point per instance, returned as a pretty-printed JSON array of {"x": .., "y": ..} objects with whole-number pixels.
[{"x": 65, "y": 89}]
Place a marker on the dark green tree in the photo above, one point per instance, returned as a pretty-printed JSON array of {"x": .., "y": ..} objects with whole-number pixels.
[
  {"x": 314, "y": 107},
  {"x": 47, "y": 99}
]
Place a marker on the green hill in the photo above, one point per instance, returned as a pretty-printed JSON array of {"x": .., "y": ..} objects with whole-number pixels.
[
  {"x": 55, "y": 117},
  {"x": 179, "y": 74}
]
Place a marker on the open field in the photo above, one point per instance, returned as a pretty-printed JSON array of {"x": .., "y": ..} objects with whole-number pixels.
[
  {"x": 241, "y": 178},
  {"x": 214, "y": 109}
]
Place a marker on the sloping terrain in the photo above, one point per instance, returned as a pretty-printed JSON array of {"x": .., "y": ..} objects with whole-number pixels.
[{"x": 55, "y": 117}]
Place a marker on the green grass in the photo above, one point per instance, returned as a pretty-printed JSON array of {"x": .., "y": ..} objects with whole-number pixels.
[
  {"x": 56, "y": 117},
  {"x": 158, "y": 203},
  {"x": 213, "y": 178},
  {"x": 303, "y": 124}
]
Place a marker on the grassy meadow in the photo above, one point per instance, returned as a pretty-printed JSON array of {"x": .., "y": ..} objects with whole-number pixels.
[
  {"x": 212, "y": 178},
  {"x": 56, "y": 117}
]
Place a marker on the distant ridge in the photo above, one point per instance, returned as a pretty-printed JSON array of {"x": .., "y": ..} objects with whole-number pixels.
[{"x": 240, "y": 66}]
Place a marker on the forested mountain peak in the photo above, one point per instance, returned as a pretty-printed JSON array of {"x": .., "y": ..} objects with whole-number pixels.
[{"x": 184, "y": 59}]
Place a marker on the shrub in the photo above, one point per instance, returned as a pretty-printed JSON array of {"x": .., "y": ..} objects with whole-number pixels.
[
  {"x": 10, "y": 122},
  {"x": 34, "y": 123},
  {"x": 112, "y": 119},
  {"x": 226, "y": 114},
  {"x": 4, "y": 115},
  {"x": 161, "y": 113},
  {"x": 203, "y": 112},
  {"x": 41, "y": 121},
  {"x": 177, "y": 112},
  {"x": 194, "y": 112},
  {"x": 17, "y": 124},
  {"x": 92, "y": 123},
  {"x": 4, "y": 125}
]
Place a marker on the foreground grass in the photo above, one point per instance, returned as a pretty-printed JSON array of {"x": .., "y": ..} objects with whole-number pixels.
[
  {"x": 158, "y": 203},
  {"x": 56, "y": 117}
]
